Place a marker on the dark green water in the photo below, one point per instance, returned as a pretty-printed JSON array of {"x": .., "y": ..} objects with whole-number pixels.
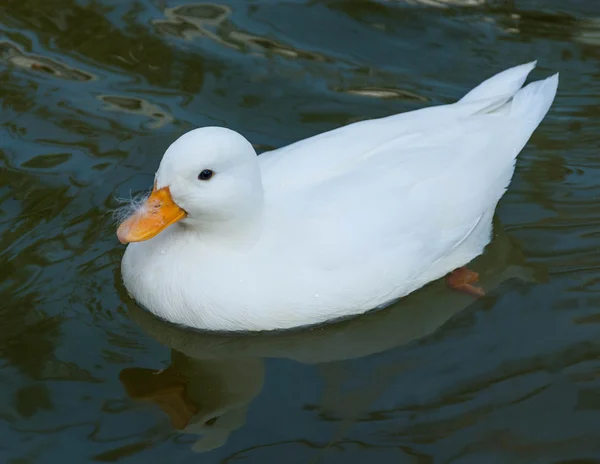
[{"x": 92, "y": 92}]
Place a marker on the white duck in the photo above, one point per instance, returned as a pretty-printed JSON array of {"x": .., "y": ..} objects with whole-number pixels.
[{"x": 333, "y": 225}]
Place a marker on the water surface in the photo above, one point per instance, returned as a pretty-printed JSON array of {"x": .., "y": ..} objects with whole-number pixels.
[{"x": 92, "y": 92}]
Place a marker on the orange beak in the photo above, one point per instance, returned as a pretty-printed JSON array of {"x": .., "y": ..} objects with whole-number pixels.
[{"x": 155, "y": 215}]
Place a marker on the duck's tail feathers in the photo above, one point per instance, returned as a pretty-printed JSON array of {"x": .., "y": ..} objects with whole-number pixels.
[
  {"x": 533, "y": 101},
  {"x": 502, "y": 86}
]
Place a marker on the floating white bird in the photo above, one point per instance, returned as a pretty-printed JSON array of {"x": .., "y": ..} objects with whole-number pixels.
[{"x": 333, "y": 225}]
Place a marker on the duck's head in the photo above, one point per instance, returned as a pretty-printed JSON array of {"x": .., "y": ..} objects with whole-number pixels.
[{"x": 209, "y": 178}]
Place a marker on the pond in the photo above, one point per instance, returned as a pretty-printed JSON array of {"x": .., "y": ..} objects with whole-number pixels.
[{"x": 93, "y": 92}]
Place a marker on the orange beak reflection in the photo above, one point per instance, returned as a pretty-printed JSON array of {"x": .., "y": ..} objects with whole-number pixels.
[{"x": 155, "y": 215}]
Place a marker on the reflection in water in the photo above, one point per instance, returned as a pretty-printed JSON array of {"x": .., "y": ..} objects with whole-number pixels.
[
  {"x": 206, "y": 397},
  {"x": 589, "y": 32},
  {"x": 451, "y": 3},
  {"x": 16, "y": 57},
  {"x": 138, "y": 106},
  {"x": 211, "y": 21},
  {"x": 213, "y": 378},
  {"x": 196, "y": 20},
  {"x": 386, "y": 93}
]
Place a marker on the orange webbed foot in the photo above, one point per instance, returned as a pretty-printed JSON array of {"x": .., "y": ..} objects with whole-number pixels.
[{"x": 461, "y": 280}]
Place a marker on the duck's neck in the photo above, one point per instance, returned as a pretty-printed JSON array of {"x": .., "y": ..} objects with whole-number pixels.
[{"x": 240, "y": 230}]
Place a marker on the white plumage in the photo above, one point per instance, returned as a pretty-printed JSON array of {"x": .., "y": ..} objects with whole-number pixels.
[{"x": 336, "y": 224}]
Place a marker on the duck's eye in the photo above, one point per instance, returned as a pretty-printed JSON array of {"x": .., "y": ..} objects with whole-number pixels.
[{"x": 206, "y": 174}]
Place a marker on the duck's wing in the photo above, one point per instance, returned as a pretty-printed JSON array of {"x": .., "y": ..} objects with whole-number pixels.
[
  {"x": 332, "y": 154},
  {"x": 419, "y": 195}
]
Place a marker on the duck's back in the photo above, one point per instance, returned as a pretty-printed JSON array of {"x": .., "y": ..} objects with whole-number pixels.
[
  {"x": 330, "y": 154},
  {"x": 378, "y": 208}
]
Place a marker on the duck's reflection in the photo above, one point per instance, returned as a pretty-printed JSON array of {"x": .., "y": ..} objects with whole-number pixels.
[
  {"x": 213, "y": 378},
  {"x": 206, "y": 397}
]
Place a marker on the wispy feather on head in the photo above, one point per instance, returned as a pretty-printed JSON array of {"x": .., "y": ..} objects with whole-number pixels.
[{"x": 129, "y": 206}]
